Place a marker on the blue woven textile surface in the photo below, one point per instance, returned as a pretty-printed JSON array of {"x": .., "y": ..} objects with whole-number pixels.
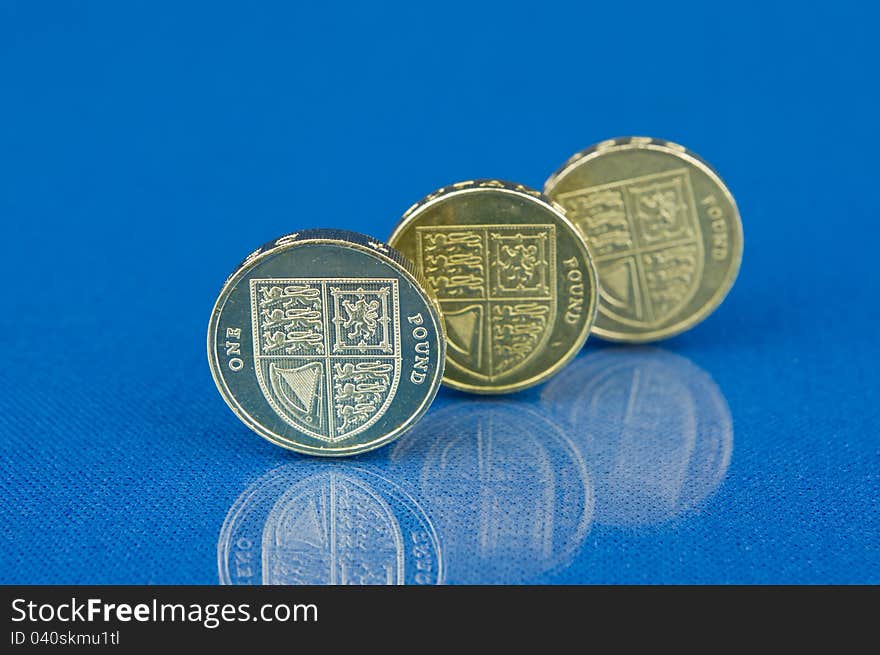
[{"x": 146, "y": 148}]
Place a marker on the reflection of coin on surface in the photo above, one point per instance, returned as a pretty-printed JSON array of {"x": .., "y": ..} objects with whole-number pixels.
[
  {"x": 320, "y": 523},
  {"x": 654, "y": 429},
  {"x": 507, "y": 491}
]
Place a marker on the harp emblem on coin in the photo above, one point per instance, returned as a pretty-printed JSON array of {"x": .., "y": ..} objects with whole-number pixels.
[
  {"x": 497, "y": 291},
  {"x": 327, "y": 351},
  {"x": 646, "y": 242}
]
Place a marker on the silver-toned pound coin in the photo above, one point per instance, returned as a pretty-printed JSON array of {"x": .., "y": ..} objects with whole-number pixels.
[{"x": 327, "y": 343}]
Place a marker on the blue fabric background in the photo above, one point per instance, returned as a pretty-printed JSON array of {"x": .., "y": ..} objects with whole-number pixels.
[{"x": 147, "y": 147}]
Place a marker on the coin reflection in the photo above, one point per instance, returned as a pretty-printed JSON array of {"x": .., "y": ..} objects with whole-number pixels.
[
  {"x": 654, "y": 429},
  {"x": 317, "y": 523},
  {"x": 507, "y": 490}
]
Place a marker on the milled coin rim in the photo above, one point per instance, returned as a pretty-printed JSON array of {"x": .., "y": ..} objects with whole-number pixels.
[
  {"x": 677, "y": 150},
  {"x": 293, "y": 241},
  {"x": 520, "y": 191}
]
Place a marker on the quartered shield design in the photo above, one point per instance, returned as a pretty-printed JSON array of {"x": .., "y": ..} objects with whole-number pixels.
[
  {"x": 497, "y": 288},
  {"x": 645, "y": 238},
  {"x": 327, "y": 351},
  {"x": 332, "y": 528}
]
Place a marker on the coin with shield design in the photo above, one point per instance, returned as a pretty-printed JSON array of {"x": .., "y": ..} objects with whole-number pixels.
[
  {"x": 514, "y": 277},
  {"x": 326, "y": 342},
  {"x": 664, "y": 229}
]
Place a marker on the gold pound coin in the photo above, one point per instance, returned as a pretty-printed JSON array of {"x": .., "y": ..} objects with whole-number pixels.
[
  {"x": 663, "y": 228},
  {"x": 514, "y": 277}
]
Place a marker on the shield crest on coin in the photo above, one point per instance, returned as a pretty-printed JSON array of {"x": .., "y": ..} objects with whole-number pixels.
[
  {"x": 332, "y": 529},
  {"x": 645, "y": 237},
  {"x": 497, "y": 288},
  {"x": 326, "y": 351}
]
